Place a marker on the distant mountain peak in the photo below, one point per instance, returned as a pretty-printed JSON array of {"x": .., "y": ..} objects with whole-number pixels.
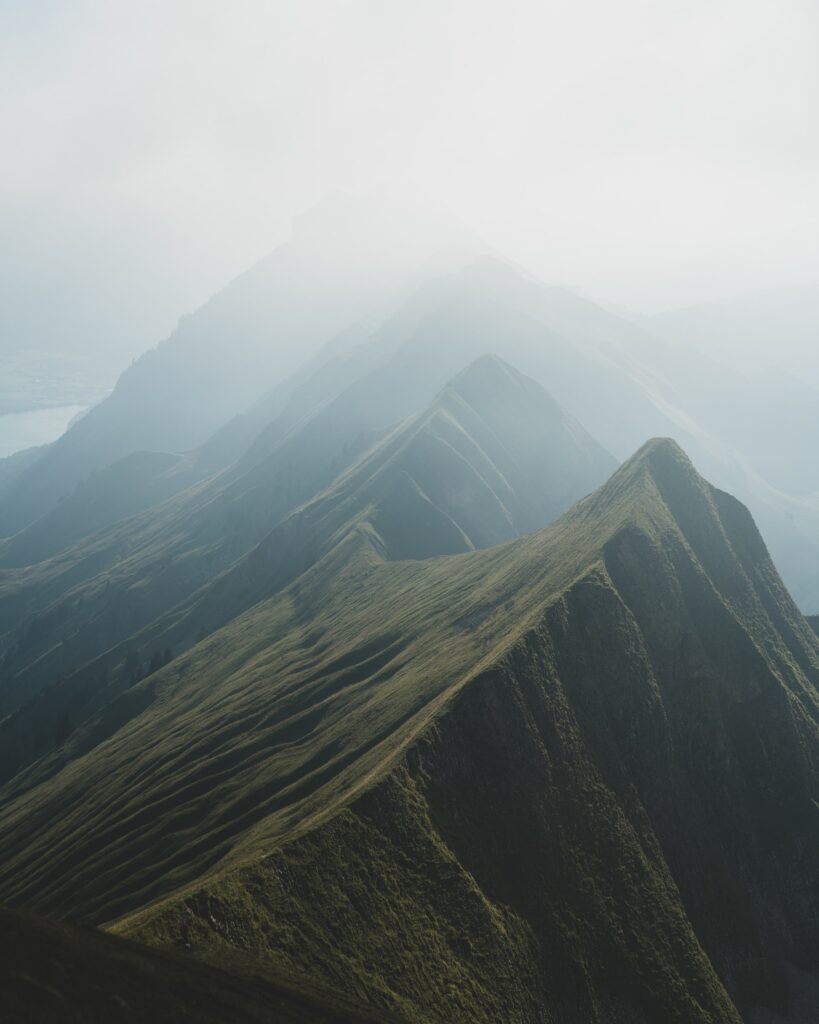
[
  {"x": 394, "y": 221},
  {"x": 490, "y": 272},
  {"x": 664, "y": 451},
  {"x": 488, "y": 369}
]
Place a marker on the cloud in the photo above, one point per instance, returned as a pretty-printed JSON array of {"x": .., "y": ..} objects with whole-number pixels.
[{"x": 650, "y": 152}]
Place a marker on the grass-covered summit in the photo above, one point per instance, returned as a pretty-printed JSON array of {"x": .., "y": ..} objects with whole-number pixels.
[{"x": 569, "y": 778}]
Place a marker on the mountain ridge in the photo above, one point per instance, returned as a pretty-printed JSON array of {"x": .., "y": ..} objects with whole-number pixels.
[
  {"x": 610, "y": 372},
  {"x": 445, "y": 460},
  {"x": 581, "y": 665}
]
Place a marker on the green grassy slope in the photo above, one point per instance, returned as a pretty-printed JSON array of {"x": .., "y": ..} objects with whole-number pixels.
[
  {"x": 492, "y": 457},
  {"x": 569, "y": 778},
  {"x": 58, "y": 614},
  {"x": 54, "y": 973},
  {"x": 814, "y": 621}
]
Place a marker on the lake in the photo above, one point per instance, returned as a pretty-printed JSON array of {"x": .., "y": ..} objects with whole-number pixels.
[{"x": 19, "y": 430}]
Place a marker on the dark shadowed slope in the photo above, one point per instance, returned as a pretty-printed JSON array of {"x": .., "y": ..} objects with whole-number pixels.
[
  {"x": 570, "y": 778},
  {"x": 814, "y": 621},
  {"x": 493, "y": 457},
  {"x": 52, "y": 973}
]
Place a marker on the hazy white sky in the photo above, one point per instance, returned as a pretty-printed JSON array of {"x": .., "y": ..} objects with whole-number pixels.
[{"x": 651, "y": 152}]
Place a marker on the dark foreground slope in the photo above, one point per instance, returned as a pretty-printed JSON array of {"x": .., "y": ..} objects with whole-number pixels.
[
  {"x": 570, "y": 778},
  {"x": 52, "y": 973}
]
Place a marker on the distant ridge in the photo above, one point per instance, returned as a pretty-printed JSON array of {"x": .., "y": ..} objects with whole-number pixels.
[
  {"x": 348, "y": 260},
  {"x": 420, "y": 323}
]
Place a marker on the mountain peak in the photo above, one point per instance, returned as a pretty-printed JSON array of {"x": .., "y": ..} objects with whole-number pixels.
[
  {"x": 659, "y": 485},
  {"x": 493, "y": 273},
  {"x": 397, "y": 224},
  {"x": 497, "y": 391},
  {"x": 663, "y": 447},
  {"x": 487, "y": 369},
  {"x": 662, "y": 459},
  {"x": 664, "y": 455}
]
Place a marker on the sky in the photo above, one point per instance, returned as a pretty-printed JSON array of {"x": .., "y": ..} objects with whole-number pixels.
[{"x": 652, "y": 153}]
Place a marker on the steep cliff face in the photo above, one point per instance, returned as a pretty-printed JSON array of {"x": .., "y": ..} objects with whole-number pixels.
[{"x": 614, "y": 819}]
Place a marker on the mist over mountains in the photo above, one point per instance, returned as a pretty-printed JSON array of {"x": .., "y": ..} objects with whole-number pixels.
[
  {"x": 754, "y": 333},
  {"x": 357, "y": 293},
  {"x": 408, "y": 639}
]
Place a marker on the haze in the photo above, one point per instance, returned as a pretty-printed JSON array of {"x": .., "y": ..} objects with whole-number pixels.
[{"x": 652, "y": 155}]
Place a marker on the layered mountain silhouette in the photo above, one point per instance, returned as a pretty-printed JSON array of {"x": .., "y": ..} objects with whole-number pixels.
[
  {"x": 298, "y": 438},
  {"x": 570, "y": 777},
  {"x": 348, "y": 263},
  {"x": 408, "y": 335}
]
